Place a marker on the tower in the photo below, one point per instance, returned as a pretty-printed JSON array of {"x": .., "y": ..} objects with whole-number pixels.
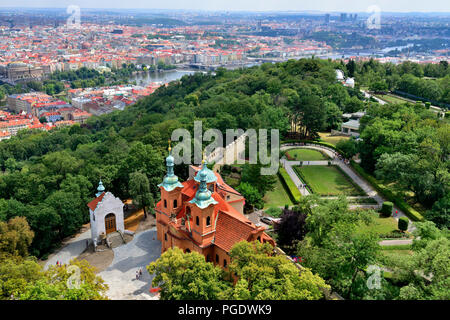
[
  {"x": 202, "y": 205},
  {"x": 170, "y": 198}
]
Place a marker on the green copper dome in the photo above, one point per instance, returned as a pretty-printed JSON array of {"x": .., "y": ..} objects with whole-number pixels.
[
  {"x": 170, "y": 180},
  {"x": 210, "y": 176},
  {"x": 203, "y": 196},
  {"x": 100, "y": 189}
]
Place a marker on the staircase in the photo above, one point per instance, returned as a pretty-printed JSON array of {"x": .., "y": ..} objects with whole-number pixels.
[{"x": 115, "y": 239}]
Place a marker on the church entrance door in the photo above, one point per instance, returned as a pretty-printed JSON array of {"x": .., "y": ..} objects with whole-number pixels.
[{"x": 110, "y": 223}]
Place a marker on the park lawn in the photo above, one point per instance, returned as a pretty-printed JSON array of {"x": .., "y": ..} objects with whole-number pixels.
[
  {"x": 390, "y": 99},
  {"x": 396, "y": 253},
  {"x": 278, "y": 197},
  {"x": 303, "y": 154},
  {"x": 326, "y": 137},
  {"x": 380, "y": 225},
  {"x": 328, "y": 181}
]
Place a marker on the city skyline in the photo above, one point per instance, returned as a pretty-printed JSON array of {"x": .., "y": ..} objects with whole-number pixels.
[{"x": 401, "y": 6}]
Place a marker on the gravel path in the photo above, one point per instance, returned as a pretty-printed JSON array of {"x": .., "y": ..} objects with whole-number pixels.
[{"x": 120, "y": 276}]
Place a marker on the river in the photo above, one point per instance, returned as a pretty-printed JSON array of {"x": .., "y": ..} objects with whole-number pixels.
[{"x": 145, "y": 78}]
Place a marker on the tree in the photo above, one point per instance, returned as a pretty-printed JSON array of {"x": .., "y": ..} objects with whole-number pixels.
[
  {"x": 251, "y": 174},
  {"x": 440, "y": 213},
  {"x": 341, "y": 257},
  {"x": 252, "y": 196},
  {"x": 54, "y": 284},
  {"x": 187, "y": 276},
  {"x": 348, "y": 148},
  {"x": 291, "y": 228},
  {"x": 262, "y": 276},
  {"x": 15, "y": 236},
  {"x": 428, "y": 272},
  {"x": 139, "y": 189}
]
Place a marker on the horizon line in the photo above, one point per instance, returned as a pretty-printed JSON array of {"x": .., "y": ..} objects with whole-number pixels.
[{"x": 234, "y": 10}]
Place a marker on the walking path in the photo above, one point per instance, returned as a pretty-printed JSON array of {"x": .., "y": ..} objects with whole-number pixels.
[
  {"x": 395, "y": 242},
  {"x": 120, "y": 276},
  {"x": 347, "y": 169},
  {"x": 71, "y": 250}
]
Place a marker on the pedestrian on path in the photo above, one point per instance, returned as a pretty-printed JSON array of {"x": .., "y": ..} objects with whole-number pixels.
[
  {"x": 137, "y": 275},
  {"x": 140, "y": 272}
]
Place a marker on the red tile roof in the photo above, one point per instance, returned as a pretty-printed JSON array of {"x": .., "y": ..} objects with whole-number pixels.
[{"x": 93, "y": 204}]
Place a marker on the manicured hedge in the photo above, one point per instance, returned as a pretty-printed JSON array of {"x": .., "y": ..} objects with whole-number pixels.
[
  {"x": 388, "y": 194},
  {"x": 386, "y": 208},
  {"x": 403, "y": 223},
  {"x": 286, "y": 179}
]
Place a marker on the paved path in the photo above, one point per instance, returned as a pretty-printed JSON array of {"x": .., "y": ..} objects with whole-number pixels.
[
  {"x": 71, "y": 250},
  {"x": 347, "y": 169},
  {"x": 120, "y": 276},
  {"x": 395, "y": 242}
]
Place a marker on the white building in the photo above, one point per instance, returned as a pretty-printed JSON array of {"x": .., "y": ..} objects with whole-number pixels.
[
  {"x": 351, "y": 128},
  {"x": 106, "y": 214}
]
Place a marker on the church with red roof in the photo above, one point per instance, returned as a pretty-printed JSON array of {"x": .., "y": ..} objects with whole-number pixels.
[{"x": 203, "y": 214}]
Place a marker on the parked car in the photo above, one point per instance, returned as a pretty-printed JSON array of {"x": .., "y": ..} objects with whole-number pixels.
[{"x": 267, "y": 220}]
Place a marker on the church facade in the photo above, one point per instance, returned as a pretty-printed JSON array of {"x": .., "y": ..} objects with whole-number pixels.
[
  {"x": 106, "y": 214},
  {"x": 203, "y": 214}
]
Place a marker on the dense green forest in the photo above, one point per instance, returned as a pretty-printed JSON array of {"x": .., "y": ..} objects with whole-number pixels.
[
  {"x": 48, "y": 177},
  {"x": 425, "y": 81}
]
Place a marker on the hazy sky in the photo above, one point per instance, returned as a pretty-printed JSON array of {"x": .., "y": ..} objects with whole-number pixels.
[{"x": 246, "y": 5}]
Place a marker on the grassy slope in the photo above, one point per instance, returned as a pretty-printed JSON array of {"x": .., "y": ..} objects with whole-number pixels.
[{"x": 278, "y": 197}]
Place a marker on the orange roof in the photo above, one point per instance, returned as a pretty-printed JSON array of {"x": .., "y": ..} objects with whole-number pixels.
[{"x": 93, "y": 204}]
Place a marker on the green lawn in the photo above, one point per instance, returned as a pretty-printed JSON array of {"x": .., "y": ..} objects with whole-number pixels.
[
  {"x": 381, "y": 225},
  {"x": 278, "y": 197},
  {"x": 390, "y": 99},
  {"x": 326, "y": 137},
  {"x": 328, "y": 181},
  {"x": 396, "y": 253},
  {"x": 303, "y": 154}
]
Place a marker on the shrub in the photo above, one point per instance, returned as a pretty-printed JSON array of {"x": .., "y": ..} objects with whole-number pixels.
[
  {"x": 274, "y": 212},
  {"x": 286, "y": 179},
  {"x": 386, "y": 208},
  {"x": 403, "y": 223},
  {"x": 427, "y": 105},
  {"x": 387, "y": 193}
]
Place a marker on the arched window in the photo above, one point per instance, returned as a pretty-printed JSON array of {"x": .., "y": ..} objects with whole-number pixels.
[
  {"x": 259, "y": 239},
  {"x": 165, "y": 203},
  {"x": 175, "y": 203},
  {"x": 224, "y": 263},
  {"x": 165, "y": 236},
  {"x": 197, "y": 221},
  {"x": 208, "y": 258},
  {"x": 187, "y": 251},
  {"x": 217, "y": 258},
  {"x": 208, "y": 221}
]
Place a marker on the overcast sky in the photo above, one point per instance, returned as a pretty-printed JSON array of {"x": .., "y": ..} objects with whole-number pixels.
[{"x": 246, "y": 5}]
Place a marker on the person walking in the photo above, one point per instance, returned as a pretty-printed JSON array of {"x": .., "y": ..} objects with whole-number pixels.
[
  {"x": 137, "y": 275},
  {"x": 140, "y": 272}
]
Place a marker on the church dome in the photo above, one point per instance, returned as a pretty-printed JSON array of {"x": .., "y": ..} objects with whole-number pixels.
[{"x": 209, "y": 174}]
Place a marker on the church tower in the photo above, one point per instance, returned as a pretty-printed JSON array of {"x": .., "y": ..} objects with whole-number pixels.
[
  {"x": 202, "y": 206},
  {"x": 170, "y": 199}
]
